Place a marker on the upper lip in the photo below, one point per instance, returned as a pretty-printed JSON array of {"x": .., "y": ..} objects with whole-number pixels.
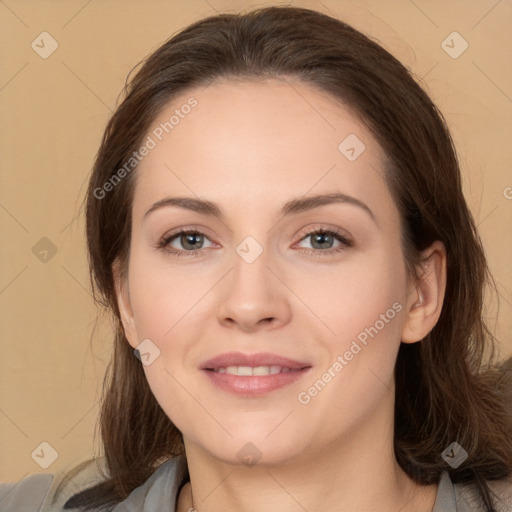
[{"x": 254, "y": 360}]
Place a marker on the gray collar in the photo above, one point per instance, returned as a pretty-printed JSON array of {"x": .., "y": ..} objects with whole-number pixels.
[
  {"x": 160, "y": 491},
  {"x": 445, "y": 499}
]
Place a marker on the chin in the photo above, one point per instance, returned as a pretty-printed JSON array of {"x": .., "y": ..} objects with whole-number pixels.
[{"x": 250, "y": 450}]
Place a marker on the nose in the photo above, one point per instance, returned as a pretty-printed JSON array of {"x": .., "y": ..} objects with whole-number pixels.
[{"x": 252, "y": 297}]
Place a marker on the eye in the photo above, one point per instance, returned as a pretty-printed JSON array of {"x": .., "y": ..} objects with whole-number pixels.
[
  {"x": 190, "y": 242},
  {"x": 323, "y": 240}
]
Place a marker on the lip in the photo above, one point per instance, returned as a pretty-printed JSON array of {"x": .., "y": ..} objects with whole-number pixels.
[
  {"x": 260, "y": 359},
  {"x": 255, "y": 385}
]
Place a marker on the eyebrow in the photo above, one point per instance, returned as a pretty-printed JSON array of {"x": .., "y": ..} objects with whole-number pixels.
[{"x": 292, "y": 207}]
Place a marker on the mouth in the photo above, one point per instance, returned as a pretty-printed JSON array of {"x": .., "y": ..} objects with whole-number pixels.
[{"x": 253, "y": 375}]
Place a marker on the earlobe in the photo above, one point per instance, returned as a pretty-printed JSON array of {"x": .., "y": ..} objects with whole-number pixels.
[
  {"x": 426, "y": 298},
  {"x": 124, "y": 304}
]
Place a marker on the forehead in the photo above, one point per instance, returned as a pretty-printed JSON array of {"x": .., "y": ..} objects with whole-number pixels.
[{"x": 257, "y": 143}]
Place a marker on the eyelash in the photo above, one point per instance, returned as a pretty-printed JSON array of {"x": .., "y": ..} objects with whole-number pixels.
[{"x": 345, "y": 243}]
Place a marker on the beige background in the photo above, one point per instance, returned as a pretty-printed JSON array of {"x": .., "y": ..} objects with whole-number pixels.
[{"x": 53, "y": 113}]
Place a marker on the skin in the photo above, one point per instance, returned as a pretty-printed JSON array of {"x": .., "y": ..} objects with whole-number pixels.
[{"x": 251, "y": 147}]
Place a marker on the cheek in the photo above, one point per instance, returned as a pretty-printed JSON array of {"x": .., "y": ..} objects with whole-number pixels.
[
  {"x": 166, "y": 304},
  {"x": 163, "y": 296},
  {"x": 356, "y": 296},
  {"x": 363, "y": 307}
]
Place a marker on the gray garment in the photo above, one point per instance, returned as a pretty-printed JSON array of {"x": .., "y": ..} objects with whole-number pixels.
[{"x": 48, "y": 493}]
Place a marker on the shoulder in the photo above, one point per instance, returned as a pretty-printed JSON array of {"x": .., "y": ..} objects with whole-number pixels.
[
  {"x": 468, "y": 496},
  {"x": 49, "y": 492}
]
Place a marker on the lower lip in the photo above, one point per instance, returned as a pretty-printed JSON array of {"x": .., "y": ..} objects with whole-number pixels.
[{"x": 257, "y": 385}]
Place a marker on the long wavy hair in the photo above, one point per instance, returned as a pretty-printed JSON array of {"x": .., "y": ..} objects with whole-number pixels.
[{"x": 450, "y": 386}]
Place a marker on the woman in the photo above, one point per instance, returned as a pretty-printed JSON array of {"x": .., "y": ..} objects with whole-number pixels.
[{"x": 254, "y": 368}]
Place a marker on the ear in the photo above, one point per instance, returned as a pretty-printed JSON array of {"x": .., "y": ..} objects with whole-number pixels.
[
  {"x": 124, "y": 305},
  {"x": 426, "y": 298}
]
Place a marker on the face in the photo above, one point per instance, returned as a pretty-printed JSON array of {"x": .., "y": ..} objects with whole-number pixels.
[{"x": 266, "y": 272}]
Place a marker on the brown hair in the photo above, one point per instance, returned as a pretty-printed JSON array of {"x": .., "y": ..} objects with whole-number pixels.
[{"x": 445, "y": 391}]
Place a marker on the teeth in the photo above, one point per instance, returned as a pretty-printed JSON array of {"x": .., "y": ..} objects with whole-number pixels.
[
  {"x": 261, "y": 370},
  {"x": 248, "y": 371},
  {"x": 242, "y": 370}
]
